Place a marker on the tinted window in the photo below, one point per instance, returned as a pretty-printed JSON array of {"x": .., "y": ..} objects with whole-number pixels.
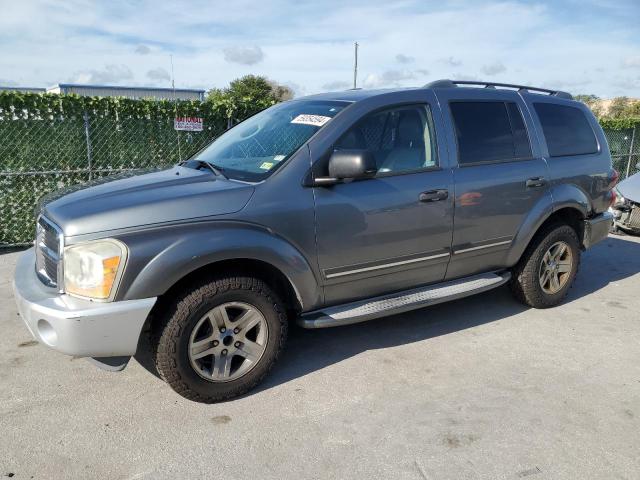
[
  {"x": 401, "y": 139},
  {"x": 489, "y": 131},
  {"x": 566, "y": 129}
]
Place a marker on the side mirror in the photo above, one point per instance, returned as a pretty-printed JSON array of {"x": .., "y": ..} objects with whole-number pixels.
[{"x": 347, "y": 165}]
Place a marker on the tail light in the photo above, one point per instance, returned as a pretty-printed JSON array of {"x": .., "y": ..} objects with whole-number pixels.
[{"x": 614, "y": 176}]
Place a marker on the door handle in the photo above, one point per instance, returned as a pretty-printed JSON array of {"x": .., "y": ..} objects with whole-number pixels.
[
  {"x": 433, "y": 196},
  {"x": 535, "y": 182}
]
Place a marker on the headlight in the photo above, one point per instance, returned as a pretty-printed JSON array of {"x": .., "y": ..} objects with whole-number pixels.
[
  {"x": 619, "y": 201},
  {"x": 93, "y": 269}
]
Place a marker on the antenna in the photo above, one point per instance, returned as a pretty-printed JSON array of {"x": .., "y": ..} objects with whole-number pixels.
[
  {"x": 175, "y": 105},
  {"x": 355, "y": 67}
]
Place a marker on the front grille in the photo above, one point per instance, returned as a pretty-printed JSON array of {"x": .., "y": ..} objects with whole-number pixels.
[
  {"x": 49, "y": 244},
  {"x": 634, "y": 217}
]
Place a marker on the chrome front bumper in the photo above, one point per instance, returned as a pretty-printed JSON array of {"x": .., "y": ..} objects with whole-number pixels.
[{"x": 74, "y": 326}]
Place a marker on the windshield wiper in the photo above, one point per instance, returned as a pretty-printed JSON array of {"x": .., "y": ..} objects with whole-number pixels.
[{"x": 217, "y": 170}]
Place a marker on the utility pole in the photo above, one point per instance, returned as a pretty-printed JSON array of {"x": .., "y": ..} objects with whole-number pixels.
[
  {"x": 175, "y": 105},
  {"x": 355, "y": 67}
]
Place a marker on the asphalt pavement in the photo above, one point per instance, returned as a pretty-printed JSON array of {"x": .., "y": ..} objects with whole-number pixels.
[{"x": 480, "y": 388}]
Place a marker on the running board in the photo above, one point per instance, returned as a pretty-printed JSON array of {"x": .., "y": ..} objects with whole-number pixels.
[{"x": 400, "y": 302}]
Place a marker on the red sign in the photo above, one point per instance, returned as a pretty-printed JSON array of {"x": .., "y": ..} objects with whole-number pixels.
[{"x": 191, "y": 124}]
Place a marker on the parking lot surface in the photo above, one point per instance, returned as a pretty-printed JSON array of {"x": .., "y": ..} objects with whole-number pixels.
[{"x": 481, "y": 388}]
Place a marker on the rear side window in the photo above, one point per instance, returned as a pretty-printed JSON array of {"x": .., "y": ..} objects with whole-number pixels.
[
  {"x": 566, "y": 129},
  {"x": 489, "y": 132}
]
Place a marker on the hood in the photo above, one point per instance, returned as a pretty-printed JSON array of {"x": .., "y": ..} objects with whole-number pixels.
[
  {"x": 630, "y": 188},
  {"x": 163, "y": 196}
]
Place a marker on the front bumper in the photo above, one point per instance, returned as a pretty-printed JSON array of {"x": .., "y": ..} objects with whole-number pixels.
[
  {"x": 627, "y": 217},
  {"x": 596, "y": 229},
  {"x": 75, "y": 326}
]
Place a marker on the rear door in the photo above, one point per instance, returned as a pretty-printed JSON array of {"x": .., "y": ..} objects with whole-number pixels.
[{"x": 500, "y": 175}]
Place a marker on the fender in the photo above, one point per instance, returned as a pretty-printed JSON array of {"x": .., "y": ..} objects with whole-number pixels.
[
  {"x": 160, "y": 258},
  {"x": 558, "y": 197}
]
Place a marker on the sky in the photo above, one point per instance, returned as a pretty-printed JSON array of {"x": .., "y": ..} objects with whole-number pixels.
[{"x": 582, "y": 46}]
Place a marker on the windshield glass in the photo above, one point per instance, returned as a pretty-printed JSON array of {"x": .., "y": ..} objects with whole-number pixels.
[{"x": 255, "y": 148}]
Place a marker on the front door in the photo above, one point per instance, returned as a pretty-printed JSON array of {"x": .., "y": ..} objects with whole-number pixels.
[{"x": 391, "y": 232}]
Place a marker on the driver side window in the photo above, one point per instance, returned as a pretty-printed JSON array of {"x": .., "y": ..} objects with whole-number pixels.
[{"x": 401, "y": 139}]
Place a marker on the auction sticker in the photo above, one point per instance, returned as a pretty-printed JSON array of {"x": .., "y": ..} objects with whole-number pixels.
[{"x": 314, "y": 120}]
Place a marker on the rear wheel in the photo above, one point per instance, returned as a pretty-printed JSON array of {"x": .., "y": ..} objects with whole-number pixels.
[
  {"x": 220, "y": 339},
  {"x": 548, "y": 268}
]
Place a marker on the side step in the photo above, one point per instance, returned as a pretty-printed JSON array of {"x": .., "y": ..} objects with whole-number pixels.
[{"x": 399, "y": 302}]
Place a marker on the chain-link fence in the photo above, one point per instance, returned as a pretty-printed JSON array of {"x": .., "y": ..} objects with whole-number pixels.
[
  {"x": 38, "y": 156},
  {"x": 625, "y": 150}
]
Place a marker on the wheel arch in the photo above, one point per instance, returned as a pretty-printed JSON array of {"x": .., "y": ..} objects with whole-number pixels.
[
  {"x": 166, "y": 260},
  {"x": 567, "y": 210}
]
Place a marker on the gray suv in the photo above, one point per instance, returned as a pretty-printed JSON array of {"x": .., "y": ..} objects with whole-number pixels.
[{"x": 330, "y": 209}]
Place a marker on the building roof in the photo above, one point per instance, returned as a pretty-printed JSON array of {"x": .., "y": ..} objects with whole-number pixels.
[
  {"x": 119, "y": 87},
  {"x": 22, "y": 89}
]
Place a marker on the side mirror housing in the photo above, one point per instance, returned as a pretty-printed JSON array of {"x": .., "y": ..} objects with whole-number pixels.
[{"x": 348, "y": 165}]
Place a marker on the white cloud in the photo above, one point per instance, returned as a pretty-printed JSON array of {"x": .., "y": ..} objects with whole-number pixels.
[
  {"x": 243, "y": 55},
  {"x": 336, "y": 85},
  {"x": 142, "y": 50},
  {"x": 631, "y": 62},
  {"x": 43, "y": 42},
  {"x": 401, "y": 58},
  {"x": 389, "y": 78},
  {"x": 451, "y": 61},
  {"x": 493, "y": 68},
  {"x": 109, "y": 74},
  {"x": 158, "y": 74}
]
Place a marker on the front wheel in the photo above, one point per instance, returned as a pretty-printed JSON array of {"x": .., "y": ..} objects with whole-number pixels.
[
  {"x": 220, "y": 339},
  {"x": 548, "y": 268}
]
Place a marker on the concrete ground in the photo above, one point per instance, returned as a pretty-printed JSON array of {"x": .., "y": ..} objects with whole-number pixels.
[{"x": 481, "y": 388}]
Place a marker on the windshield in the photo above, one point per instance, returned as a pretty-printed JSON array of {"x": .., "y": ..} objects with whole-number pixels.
[{"x": 255, "y": 148}]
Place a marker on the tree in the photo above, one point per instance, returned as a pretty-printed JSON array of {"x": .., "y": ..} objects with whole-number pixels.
[
  {"x": 593, "y": 102},
  {"x": 247, "y": 96},
  {"x": 618, "y": 107}
]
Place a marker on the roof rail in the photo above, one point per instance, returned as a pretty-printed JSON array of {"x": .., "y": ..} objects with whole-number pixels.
[{"x": 445, "y": 83}]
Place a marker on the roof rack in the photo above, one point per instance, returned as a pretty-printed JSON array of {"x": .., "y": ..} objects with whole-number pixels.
[{"x": 521, "y": 88}]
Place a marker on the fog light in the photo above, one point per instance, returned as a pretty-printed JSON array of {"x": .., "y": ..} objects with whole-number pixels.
[{"x": 47, "y": 333}]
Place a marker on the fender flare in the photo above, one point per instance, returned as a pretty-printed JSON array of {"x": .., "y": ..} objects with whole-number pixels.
[
  {"x": 159, "y": 259},
  {"x": 557, "y": 198}
]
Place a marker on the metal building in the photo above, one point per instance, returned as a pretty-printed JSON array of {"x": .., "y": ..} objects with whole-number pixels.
[{"x": 127, "y": 92}]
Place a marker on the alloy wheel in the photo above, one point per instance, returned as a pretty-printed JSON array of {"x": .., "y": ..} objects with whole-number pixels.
[
  {"x": 556, "y": 267},
  {"x": 228, "y": 341}
]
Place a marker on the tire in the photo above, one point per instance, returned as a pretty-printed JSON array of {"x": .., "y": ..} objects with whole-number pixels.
[
  {"x": 530, "y": 274},
  {"x": 202, "y": 363},
  {"x": 615, "y": 230}
]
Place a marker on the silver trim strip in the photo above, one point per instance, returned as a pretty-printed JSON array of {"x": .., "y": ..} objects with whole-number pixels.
[
  {"x": 471, "y": 249},
  {"x": 386, "y": 265}
]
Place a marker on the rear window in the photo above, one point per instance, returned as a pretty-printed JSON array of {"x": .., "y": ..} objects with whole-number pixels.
[
  {"x": 489, "y": 132},
  {"x": 566, "y": 129}
]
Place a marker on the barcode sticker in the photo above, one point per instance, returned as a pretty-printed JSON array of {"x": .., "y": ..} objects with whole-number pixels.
[{"x": 315, "y": 120}]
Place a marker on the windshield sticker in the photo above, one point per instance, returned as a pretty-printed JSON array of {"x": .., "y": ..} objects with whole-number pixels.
[
  {"x": 314, "y": 120},
  {"x": 279, "y": 158},
  {"x": 266, "y": 166}
]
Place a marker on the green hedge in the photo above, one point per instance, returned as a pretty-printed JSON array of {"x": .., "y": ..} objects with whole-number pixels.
[
  {"x": 43, "y": 143},
  {"x": 48, "y": 106},
  {"x": 627, "y": 123}
]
